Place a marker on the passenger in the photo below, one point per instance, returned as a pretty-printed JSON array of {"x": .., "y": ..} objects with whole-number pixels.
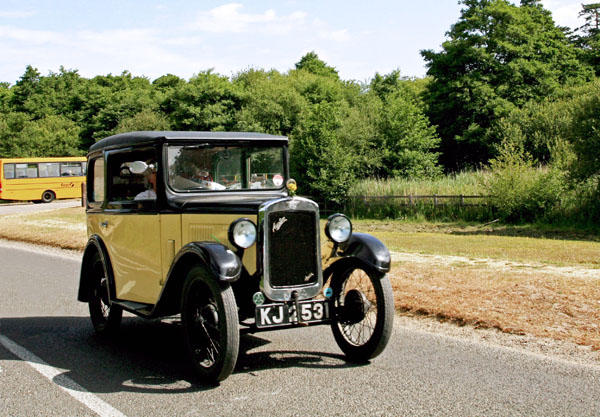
[{"x": 150, "y": 181}]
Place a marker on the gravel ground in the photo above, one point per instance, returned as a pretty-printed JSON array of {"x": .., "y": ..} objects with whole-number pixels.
[{"x": 560, "y": 350}]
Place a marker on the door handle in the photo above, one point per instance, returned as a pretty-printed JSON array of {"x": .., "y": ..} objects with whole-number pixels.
[{"x": 104, "y": 224}]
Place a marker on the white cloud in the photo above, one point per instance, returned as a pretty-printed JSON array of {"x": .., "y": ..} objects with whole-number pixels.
[
  {"x": 230, "y": 19},
  {"x": 565, "y": 13},
  {"x": 336, "y": 35},
  {"x": 17, "y": 14},
  {"x": 30, "y": 37}
]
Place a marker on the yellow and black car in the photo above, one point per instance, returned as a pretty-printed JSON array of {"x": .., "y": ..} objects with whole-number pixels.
[{"x": 207, "y": 225}]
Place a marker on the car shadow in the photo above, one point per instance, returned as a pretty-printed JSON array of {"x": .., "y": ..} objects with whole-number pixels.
[{"x": 143, "y": 357}]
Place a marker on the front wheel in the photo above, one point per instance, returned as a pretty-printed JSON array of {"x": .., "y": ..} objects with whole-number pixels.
[
  {"x": 364, "y": 311},
  {"x": 106, "y": 317},
  {"x": 210, "y": 325}
]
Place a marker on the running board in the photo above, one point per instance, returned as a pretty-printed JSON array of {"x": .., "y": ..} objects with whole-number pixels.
[{"x": 141, "y": 309}]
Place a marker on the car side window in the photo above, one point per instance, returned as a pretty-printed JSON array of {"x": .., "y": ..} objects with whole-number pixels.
[
  {"x": 132, "y": 177},
  {"x": 96, "y": 188}
]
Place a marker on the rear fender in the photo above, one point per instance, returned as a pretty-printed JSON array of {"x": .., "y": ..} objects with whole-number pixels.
[{"x": 94, "y": 245}]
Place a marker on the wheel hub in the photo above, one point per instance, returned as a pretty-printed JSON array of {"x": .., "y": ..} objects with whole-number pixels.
[{"x": 355, "y": 307}]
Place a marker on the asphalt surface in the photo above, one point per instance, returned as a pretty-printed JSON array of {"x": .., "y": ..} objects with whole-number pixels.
[
  {"x": 52, "y": 364},
  {"x": 10, "y": 208}
]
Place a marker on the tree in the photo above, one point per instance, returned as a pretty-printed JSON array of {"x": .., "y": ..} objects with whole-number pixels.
[
  {"x": 325, "y": 166},
  {"x": 584, "y": 133},
  {"x": 27, "y": 86},
  {"x": 49, "y": 136},
  {"x": 406, "y": 140},
  {"x": 144, "y": 120},
  {"x": 587, "y": 37},
  {"x": 271, "y": 104},
  {"x": 311, "y": 63},
  {"x": 207, "y": 102},
  {"x": 498, "y": 57}
]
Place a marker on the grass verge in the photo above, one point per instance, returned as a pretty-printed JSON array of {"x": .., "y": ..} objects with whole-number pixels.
[
  {"x": 63, "y": 228},
  {"x": 533, "y": 295}
]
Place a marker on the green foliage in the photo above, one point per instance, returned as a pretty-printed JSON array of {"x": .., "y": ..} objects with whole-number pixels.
[
  {"x": 144, "y": 120},
  {"x": 311, "y": 63},
  {"x": 324, "y": 165},
  {"x": 519, "y": 191},
  {"x": 584, "y": 134},
  {"x": 271, "y": 104},
  {"x": 540, "y": 128},
  {"x": 207, "y": 102},
  {"x": 587, "y": 37},
  {"x": 408, "y": 139},
  {"x": 49, "y": 136},
  {"x": 498, "y": 56}
]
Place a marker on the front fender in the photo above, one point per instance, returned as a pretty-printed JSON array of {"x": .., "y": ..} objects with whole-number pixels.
[
  {"x": 221, "y": 260},
  {"x": 368, "y": 249}
]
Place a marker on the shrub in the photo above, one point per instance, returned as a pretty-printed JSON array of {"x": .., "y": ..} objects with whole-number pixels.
[{"x": 521, "y": 192}]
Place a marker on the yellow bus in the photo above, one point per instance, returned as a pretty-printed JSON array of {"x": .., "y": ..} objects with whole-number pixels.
[{"x": 42, "y": 179}]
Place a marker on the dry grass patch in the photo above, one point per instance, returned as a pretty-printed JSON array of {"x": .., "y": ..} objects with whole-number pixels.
[
  {"x": 63, "y": 228},
  {"x": 521, "y": 303}
]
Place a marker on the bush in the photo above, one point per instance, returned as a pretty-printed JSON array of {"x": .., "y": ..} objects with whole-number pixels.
[{"x": 521, "y": 192}]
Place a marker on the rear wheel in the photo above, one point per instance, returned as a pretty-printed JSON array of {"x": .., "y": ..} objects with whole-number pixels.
[
  {"x": 48, "y": 196},
  {"x": 364, "y": 310},
  {"x": 210, "y": 325},
  {"x": 106, "y": 317}
]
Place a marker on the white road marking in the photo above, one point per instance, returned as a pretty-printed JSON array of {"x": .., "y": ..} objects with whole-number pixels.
[{"x": 56, "y": 376}]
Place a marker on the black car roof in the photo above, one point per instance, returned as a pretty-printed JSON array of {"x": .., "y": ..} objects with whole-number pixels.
[{"x": 135, "y": 138}]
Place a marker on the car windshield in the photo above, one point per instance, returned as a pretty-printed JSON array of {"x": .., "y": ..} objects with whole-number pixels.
[{"x": 220, "y": 168}]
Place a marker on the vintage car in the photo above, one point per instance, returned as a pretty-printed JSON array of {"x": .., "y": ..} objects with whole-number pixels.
[{"x": 206, "y": 225}]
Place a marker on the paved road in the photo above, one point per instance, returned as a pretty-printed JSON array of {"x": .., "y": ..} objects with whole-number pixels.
[
  {"x": 52, "y": 364},
  {"x": 30, "y": 207}
]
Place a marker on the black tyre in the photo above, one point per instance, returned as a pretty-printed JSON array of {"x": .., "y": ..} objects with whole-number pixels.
[
  {"x": 210, "y": 325},
  {"x": 48, "y": 196},
  {"x": 364, "y": 310},
  {"x": 106, "y": 317}
]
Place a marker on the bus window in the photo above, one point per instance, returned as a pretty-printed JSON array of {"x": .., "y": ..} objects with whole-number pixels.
[
  {"x": 50, "y": 169},
  {"x": 9, "y": 171},
  {"x": 71, "y": 169},
  {"x": 26, "y": 171}
]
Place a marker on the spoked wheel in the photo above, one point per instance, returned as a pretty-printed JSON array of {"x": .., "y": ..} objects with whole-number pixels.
[
  {"x": 210, "y": 325},
  {"x": 105, "y": 317},
  {"x": 364, "y": 308}
]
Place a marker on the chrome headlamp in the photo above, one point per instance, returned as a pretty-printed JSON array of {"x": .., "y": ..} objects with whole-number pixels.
[
  {"x": 242, "y": 233},
  {"x": 338, "y": 228}
]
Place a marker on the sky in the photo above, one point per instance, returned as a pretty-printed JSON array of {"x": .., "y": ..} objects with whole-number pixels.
[{"x": 152, "y": 38}]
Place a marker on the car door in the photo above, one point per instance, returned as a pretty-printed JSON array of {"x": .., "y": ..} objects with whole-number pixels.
[{"x": 130, "y": 227}]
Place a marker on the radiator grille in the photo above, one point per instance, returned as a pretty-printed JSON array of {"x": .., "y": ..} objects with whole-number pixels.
[{"x": 292, "y": 248}]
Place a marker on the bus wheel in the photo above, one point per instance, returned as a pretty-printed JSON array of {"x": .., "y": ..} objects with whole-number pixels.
[{"x": 48, "y": 196}]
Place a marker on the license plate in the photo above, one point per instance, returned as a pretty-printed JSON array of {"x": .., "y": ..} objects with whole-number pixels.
[{"x": 272, "y": 315}]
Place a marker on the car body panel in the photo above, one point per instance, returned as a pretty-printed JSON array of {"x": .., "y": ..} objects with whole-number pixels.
[
  {"x": 135, "y": 253},
  {"x": 214, "y": 228}
]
